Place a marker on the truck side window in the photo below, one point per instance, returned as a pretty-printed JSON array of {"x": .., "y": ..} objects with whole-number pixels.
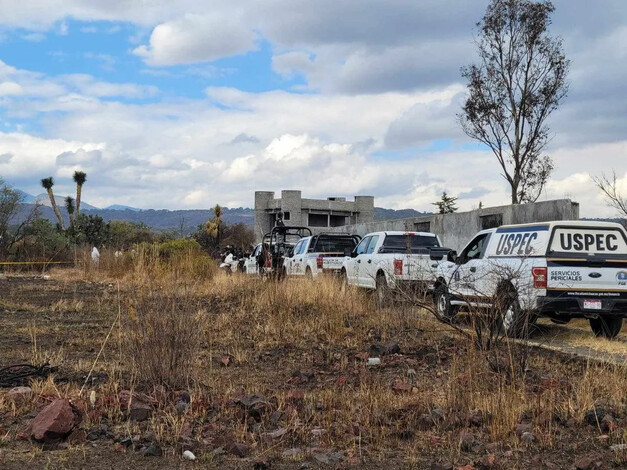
[
  {"x": 361, "y": 248},
  {"x": 476, "y": 248},
  {"x": 296, "y": 249},
  {"x": 372, "y": 244}
]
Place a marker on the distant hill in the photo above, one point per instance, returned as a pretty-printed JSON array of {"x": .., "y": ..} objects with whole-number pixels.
[{"x": 188, "y": 220}]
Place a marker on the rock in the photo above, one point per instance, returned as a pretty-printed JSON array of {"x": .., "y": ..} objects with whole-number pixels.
[
  {"x": 55, "y": 422},
  {"x": 275, "y": 417},
  {"x": 139, "y": 411},
  {"x": 126, "y": 443},
  {"x": 153, "y": 450},
  {"x": 527, "y": 437},
  {"x": 19, "y": 395},
  {"x": 277, "y": 434},
  {"x": 188, "y": 455},
  {"x": 585, "y": 463},
  {"x": 385, "y": 349},
  {"x": 442, "y": 466},
  {"x": 296, "y": 396},
  {"x": 185, "y": 397},
  {"x": 466, "y": 441},
  {"x": 595, "y": 416},
  {"x": 328, "y": 458},
  {"x": 77, "y": 437},
  {"x": 295, "y": 452},
  {"x": 608, "y": 424},
  {"x": 401, "y": 387},
  {"x": 522, "y": 428},
  {"x": 238, "y": 449},
  {"x": 476, "y": 418},
  {"x": 181, "y": 407}
]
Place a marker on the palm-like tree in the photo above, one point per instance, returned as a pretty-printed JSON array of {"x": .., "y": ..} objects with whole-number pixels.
[
  {"x": 47, "y": 184},
  {"x": 79, "y": 178},
  {"x": 69, "y": 207}
]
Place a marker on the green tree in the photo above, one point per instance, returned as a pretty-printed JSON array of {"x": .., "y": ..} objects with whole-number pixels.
[
  {"x": 47, "y": 184},
  {"x": 14, "y": 218},
  {"x": 446, "y": 205},
  {"x": 519, "y": 81},
  {"x": 91, "y": 229},
  {"x": 79, "y": 178},
  {"x": 69, "y": 207},
  {"x": 215, "y": 226},
  {"x": 125, "y": 234}
]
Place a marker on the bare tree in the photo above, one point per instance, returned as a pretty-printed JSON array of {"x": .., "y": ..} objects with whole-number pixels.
[
  {"x": 13, "y": 219},
  {"x": 519, "y": 81},
  {"x": 613, "y": 195}
]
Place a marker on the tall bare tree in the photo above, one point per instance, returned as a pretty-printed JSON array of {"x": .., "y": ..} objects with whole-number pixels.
[
  {"x": 79, "y": 178},
  {"x": 519, "y": 81},
  {"x": 611, "y": 192},
  {"x": 47, "y": 184}
]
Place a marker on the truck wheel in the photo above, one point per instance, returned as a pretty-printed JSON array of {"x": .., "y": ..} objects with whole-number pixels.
[
  {"x": 606, "y": 326},
  {"x": 308, "y": 274},
  {"x": 382, "y": 291},
  {"x": 343, "y": 281},
  {"x": 513, "y": 321},
  {"x": 442, "y": 299}
]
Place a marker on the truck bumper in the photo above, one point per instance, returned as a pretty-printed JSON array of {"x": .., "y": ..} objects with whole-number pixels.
[{"x": 574, "y": 306}]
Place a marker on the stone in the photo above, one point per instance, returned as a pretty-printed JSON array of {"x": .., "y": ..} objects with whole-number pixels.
[
  {"x": 153, "y": 450},
  {"x": 608, "y": 424},
  {"x": 385, "y": 349},
  {"x": 527, "y": 437},
  {"x": 55, "y": 422},
  {"x": 466, "y": 441},
  {"x": 328, "y": 458},
  {"x": 401, "y": 387},
  {"x": 184, "y": 396},
  {"x": 126, "y": 443},
  {"x": 239, "y": 450},
  {"x": 139, "y": 411},
  {"x": 19, "y": 395},
  {"x": 585, "y": 463},
  {"x": 77, "y": 437},
  {"x": 181, "y": 407},
  {"x": 595, "y": 416},
  {"x": 441, "y": 466},
  {"x": 295, "y": 452},
  {"x": 189, "y": 455},
  {"x": 277, "y": 433},
  {"x": 522, "y": 428}
]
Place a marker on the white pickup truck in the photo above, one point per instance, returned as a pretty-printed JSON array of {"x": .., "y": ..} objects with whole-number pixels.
[
  {"x": 322, "y": 253},
  {"x": 559, "y": 270},
  {"x": 386, "y": 261}
]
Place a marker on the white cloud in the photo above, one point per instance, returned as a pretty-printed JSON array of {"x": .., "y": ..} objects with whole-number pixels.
[{"x": 196, "y": 38}]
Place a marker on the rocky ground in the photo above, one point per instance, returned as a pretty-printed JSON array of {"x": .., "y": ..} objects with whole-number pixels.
[{"x": 297, "y": 377}]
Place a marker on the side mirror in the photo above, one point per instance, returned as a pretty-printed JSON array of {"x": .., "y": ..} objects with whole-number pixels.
[{"x": 452, "y": 256}]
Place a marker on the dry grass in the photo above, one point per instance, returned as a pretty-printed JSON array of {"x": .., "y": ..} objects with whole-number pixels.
[{"x": 180, "y": 317}]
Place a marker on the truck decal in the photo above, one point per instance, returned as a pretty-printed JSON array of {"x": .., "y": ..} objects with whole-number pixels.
[
  {"x": 588, "y": 240},
  {"x": 519, "y": 241}
]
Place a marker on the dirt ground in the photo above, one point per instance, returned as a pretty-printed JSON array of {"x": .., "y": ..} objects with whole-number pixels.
[{"x": 426, "y": 406}]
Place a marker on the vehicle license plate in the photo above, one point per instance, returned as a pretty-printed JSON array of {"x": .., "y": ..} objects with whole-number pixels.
[{"x": 592, "y": 304}]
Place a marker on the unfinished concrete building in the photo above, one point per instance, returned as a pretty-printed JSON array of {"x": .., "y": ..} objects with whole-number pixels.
[{"x": 320, "y": 215}]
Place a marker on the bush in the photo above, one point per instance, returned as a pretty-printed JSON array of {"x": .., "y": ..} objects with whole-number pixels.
[{"x": 178, "y": 247}]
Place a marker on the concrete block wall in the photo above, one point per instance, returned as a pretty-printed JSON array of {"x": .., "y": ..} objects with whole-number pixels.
[{"x": 455, "y": 230}]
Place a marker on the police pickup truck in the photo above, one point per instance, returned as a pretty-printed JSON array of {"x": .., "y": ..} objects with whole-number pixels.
[
  {"x": 388, "y": 261},
  {"x": 560, "y": 270},
  {"x": 322, "y": 253}
]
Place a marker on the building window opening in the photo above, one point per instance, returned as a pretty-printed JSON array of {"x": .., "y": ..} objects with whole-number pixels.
[
  {"x": 337, "y": 220},
  {"x": 286, "y": 215},
  {"x": 491, "y": 221},
  {"x": 318, "y": 220},
  {"x": 422, "y": 226}
]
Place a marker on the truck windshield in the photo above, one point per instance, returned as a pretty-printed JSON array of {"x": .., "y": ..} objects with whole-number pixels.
[
  {"x": 408, "y": 244},
  {"x": 326, "y": 244}
]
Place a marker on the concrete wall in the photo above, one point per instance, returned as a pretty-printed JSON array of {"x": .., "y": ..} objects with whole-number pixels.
[
  {"x": 455, "y": 230},
  {"x": 266, "y": 207}
]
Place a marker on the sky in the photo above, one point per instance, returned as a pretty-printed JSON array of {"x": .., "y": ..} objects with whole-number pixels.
[{"x": 186, "y": 104}]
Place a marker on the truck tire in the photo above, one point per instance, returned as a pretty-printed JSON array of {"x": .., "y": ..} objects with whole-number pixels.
[
  {"x": 513, "y": 321},
  {"x": 308, "y": 274},
  {"x": 606, "y": 326},
  {"x": 382, "y": 291},
  {"x": 442, "y": 299}
]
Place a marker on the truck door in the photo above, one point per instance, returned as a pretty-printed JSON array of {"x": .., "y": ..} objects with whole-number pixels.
[
  {"x": 291, "y": 263},
  {"x": 300, "y": 257},
  {"x": 472, "y": 276},
  {"x": 353, "y": 264},
  {"x": 367, "y": 266}
]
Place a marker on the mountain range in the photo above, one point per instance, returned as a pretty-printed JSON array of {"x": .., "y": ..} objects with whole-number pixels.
[{"x": 182, "y": 221}]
